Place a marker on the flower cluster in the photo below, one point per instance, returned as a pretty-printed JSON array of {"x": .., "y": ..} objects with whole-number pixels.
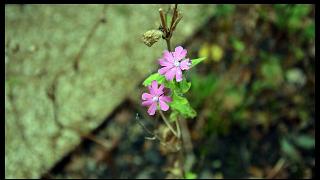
[{"x": 173, "y": 63}]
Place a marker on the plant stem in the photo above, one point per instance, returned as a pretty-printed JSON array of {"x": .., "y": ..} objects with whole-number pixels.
[
  {"x": 174, "y": 16},
  {"x": 163, "y": 21},
  {"x": 168, "y": 44},
  {"x": 167, "y": 37},
  {"x": 168, "y": 124},
  {"x": 178, "y": 128}
]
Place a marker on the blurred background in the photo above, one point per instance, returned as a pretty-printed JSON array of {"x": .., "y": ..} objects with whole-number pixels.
[{"x": 254, "y": 94}]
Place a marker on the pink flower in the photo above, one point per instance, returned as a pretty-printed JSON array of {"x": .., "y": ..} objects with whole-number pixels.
[
  {"x": 173, "y": 64},
  {"x": 156, "y": 96}
]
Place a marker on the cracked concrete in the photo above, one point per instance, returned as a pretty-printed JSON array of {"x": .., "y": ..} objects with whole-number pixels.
[{"x": 67, "y": 67}]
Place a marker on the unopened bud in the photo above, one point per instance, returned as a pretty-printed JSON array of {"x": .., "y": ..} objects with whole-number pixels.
[{"x": 152, "y": 36}]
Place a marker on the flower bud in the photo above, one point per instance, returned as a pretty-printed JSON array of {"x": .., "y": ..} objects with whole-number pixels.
[{"x": 152, "y": 36}]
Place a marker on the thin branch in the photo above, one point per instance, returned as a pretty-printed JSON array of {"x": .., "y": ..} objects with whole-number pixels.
[
  {"x": 154, "y": 136},
  {"x": 276, "y": 169},
  {"x": 178, "y": 128},
  {"x": 176, "y": 22},
  {"x": 163, "y": 21},
  {"x": 146, "y": 129},
  {"x": 168, "y": 124},
  {"x": 174, "y": 17},
  {"x": 168, "y": 44}
]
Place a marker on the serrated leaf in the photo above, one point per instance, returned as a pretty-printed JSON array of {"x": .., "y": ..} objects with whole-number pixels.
[
  {"x": 156, "y": 76},
  {"x": 194, "y": 62}
]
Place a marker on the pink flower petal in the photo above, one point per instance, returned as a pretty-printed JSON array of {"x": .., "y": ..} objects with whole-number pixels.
[
  {"x": 165, "y": 98},
  {"x": 163, "y": 106},
  {"x": 185, "y": 64},
  {"x": 154, "y": 87},
  {"x": 178, "y": 75},
  {"x": 147, "y": 103},
  {"x": 152, "y": 109},
  {"x": 168, "y": 56},
  {"x": 160, "y": 90},
  {"x": 151, "y": 90},
  {"x": 164, "y": 70},
  {"x": 164, "y": 62},
  {"x": 146, "y": 96},
  {"x": 170, "y": 74},
  {"x": 179, "y": 53}
]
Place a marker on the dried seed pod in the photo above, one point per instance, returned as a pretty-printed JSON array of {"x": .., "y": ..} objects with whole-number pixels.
[{"x": 152, "y": 36}]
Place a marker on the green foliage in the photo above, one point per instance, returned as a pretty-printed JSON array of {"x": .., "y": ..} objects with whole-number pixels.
[
  {"x": 197, "y": 61},
  {"x": 202, "y": 86},
  {"x": 191, "y": 175},
  {"x": 305, "y": 141},
  {"x": 261, "y": 90},
  {"x": 238, "y": 45},
  {"x": 291, "y": 17},
  {"x": 309, "y": 31},
  {"x": 156, "y": 76},
  {"x": 224, "y": 10},
  {"x": 271, "y": 72},
  {"x": 182, "y": 106},
  {"x": 179, "y": 88},
  {"x": 289, "y": 150}
]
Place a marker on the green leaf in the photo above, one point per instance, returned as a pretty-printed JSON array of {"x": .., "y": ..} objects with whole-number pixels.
[
  {"x": 238, "y": 45},
  {"x": 271, "y": 71},
  {"x": 156, "y": 76},
  {"x": 181, "y": 105},
  {"x": 179, "y": 88},
  {"x": 184, "y": 86},
  {"x": 194, "y": 62},
  {"x": 288, "y": 149},
  {"x": 309, "y": 31},
  {"x": 191, "y": 175},
  {"x": 170, "y": 84},
  {"x": 305, "y": 141}
]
